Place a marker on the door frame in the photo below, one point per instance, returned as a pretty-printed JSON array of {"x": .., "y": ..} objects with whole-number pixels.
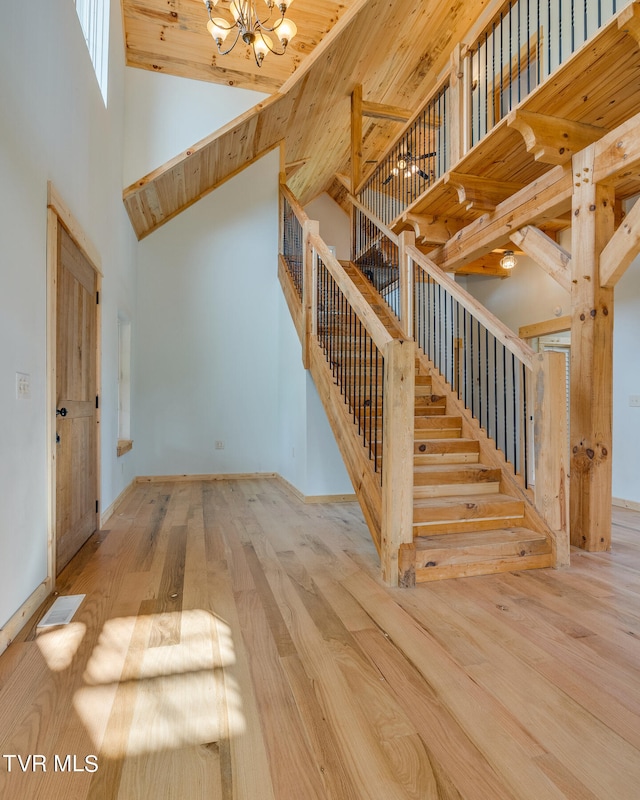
[{"x": 59, "y": 214}]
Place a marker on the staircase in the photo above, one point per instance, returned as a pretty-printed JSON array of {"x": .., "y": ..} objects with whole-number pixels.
[{"x": 468, "y": 518}]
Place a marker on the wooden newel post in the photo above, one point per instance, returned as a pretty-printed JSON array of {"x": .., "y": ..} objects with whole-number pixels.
[
  {"x": 309, "y": 305},
  {"x": 406, "y": 239},
  {"x": 397, "y": 454},
  {"x": 551, "y": 455}
]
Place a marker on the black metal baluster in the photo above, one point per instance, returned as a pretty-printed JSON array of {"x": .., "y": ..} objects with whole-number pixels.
[
  {"x": 479, "y": 373},
  {"x": 526, "y": 426},
  {"x": 495, "y": 389},
  {"x": 515, "y": 426},
  {"x": 464, "y": 352}
]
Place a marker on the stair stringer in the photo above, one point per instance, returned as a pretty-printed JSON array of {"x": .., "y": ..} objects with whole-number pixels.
[{"x": 510, "y": 483}]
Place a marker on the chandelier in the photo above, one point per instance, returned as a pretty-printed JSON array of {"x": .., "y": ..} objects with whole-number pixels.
[{"x": 253, "y": 30}]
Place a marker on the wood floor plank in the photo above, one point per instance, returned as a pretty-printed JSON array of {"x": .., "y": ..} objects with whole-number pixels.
[{"x": 237, "y": 644}]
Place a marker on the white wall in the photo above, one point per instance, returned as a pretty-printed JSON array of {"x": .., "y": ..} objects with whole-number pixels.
[
  {"x": 528, "y": 295},
  {"x": 166, "y": 115},
  {"x": 334, "y": 224},
  {"x": 626, "y": 380},
  {"x": 53, "y": 126},
  {"x": 217, "y": 355},
  {"x": 208, "y": 333}
]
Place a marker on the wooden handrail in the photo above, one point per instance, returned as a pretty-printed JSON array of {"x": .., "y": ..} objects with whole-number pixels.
[
  {"x": 502, "y": 333},
  {"x": 295, "y": 205},
  {"x": 379, "y": 225},
  {"x": 381, "y": 337}
]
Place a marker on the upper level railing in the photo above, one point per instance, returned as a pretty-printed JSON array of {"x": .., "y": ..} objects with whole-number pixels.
[
  {"x": 292, "y": 238},
  {"x": 523, "y": 44},
  {"x": 374, "y": 250},
  {"x": 413, "y": 163}
]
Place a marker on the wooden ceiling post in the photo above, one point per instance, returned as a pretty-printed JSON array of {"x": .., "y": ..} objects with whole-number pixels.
[
  {"x": 356, "y": 137},
  {"x": 591, "y": 359}
]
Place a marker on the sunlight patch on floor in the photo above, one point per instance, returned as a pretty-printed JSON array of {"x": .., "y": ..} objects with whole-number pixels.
[
  {"x": 143, "y": 695},
  {"x": 59, "y": 646}
]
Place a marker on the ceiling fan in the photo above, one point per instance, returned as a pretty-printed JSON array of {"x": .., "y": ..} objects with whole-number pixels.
[{"x": 406, "y": 167}]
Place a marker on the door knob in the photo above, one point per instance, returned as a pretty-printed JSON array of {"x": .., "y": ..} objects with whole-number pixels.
[{"x": 61, "y": 412}]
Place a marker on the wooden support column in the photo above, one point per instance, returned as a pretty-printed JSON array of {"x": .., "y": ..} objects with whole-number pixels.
[
  {"x": 552, "y": 448},
  {"x": 309, "y": 288},
  {"x": 356, "y": 137},
  {"x": 397, "y": 460},
  {"x": 406, "y": 239},
  {"x": 457, "y": 138},
  {"x": 591, "y": 359}
]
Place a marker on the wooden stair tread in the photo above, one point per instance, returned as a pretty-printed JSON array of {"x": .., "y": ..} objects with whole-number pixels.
[
  {"x": 488, "y": 538},
  {"x": 480, "y": 553},
  {"x": 428, "y": 446},
  {"x": 457, "y": 513},
  {"x": 453, "y": 503},
  {"x": 455, "y": 473}
]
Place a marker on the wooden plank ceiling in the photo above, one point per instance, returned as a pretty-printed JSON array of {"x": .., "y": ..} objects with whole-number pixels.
[
  {"x": 394, "y": 49},
  {"x": 171, "y": 36}
]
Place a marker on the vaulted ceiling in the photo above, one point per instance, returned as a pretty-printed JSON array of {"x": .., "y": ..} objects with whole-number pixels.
[
  {"x": 396, "y": 50},
  {"x": 171, "y": 36}
]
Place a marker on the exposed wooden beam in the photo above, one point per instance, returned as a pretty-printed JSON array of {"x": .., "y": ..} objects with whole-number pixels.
[
  {"x": 552, "y": 140},
  {"x": 293, "y": 166},
  {"x": 432, "y": 230},
  {"x": 478, "y": 193},
  {"x": 629, "y": 21},
  {"x": 591, "y": 360},
  {"x": 545, "y": 198},
  {"x": 382, "y": 111},
  {"x": 621, "y": 249},
  {"x": 545, "y": 328},
  {"x": 356, "y": 135},
  {"x": 544, "y": 251},
  {"x": 617, "y": 154}
]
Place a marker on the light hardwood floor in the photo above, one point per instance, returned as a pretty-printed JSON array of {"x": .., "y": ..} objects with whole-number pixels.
[{"x": 235, "y": 643}]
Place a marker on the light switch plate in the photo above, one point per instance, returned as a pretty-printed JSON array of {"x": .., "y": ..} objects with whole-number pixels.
[{"x": 634, "y": 400}]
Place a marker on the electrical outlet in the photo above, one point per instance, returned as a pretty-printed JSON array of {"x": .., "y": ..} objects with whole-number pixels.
[
  {"x": 23, "y": 386},
  {"x": 219, "y": 445},
  {"x": 634, "y": 400}
]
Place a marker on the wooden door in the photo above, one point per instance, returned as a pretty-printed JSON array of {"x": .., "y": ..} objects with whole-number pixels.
[{"x": 76, "y": 400}]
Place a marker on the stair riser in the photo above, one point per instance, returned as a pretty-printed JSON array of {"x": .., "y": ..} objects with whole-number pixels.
[
  {"x": 438, "y": 528},
  {"x": 487, "y": 567},
  {"x": 450, "y": 490},
  {"x": 429, "y": 459}
]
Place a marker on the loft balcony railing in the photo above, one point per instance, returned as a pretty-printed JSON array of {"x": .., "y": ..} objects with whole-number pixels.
[
  {"x": 525, "y": 43},
  {"x": 375, "y": 253},
  {"x": 520, "y": 48},
  {"x": 414, "y": 162},
  {"x": 292, "y": 238}
]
